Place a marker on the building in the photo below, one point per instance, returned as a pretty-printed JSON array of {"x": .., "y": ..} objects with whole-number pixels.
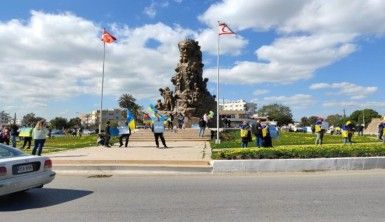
[
  {"x": 238, "y": 105},
  {"x": 114, "y": 115},
  {"x": 236, "y": 111}
]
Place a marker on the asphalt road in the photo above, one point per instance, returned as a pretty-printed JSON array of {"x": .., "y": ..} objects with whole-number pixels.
[{"x": 342, "y": 196}]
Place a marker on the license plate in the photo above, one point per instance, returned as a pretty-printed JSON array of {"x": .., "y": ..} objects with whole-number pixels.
[{"x": 25, "y": 168}]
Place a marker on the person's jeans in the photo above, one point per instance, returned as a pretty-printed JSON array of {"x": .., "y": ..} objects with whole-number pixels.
[
  {"x": 38, "y": 147},
  {"x": 244, "y": 144},
  {"x": 201, "y": 131},
  {"x": 13, "y": 140},
  {"x": 319, "y": 138},
  {"x": 259, "y": 141}
]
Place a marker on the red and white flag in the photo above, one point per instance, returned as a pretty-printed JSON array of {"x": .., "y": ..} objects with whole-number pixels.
[
  {"x": 224, "y": 29},
  {"x": 107, "y": 37}
]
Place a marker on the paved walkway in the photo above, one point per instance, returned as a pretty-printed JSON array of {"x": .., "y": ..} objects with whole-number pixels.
[{"x": 138, "y": 153}]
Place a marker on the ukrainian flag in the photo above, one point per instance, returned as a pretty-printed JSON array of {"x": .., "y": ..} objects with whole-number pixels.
[{"x": 131, "y": 120}]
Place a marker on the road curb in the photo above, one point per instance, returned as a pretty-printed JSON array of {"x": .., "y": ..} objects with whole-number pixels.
[
  {"x": 298, "y": 165},
  {"x": 127, "y": 169},
  {"x": 131, "y": 162}
]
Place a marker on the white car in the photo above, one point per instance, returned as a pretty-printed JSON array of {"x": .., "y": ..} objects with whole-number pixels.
[{"x": 20, "y": 172}]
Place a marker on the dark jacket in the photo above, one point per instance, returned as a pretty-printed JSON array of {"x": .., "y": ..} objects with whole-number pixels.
[
  {"x": 107, "y": 130},
  {"x": 258, "y": 131},
  {"x": 202, "y": 123}
]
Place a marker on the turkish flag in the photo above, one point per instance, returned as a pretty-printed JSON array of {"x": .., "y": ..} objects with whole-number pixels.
[{"x": 107, "y": 37}]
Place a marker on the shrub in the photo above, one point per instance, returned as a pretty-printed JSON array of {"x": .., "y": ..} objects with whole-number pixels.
[{"x": 302, "y": 151}]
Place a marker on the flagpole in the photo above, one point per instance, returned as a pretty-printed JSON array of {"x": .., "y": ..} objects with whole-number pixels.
[
  {"x": 217, "y": 141},
  {"x": 101, "y": 97}
]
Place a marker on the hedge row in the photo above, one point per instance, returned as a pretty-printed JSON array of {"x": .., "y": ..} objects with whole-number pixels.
[
  {"x": 302, "y": 151},
  {"x": 231, "y": 139}
]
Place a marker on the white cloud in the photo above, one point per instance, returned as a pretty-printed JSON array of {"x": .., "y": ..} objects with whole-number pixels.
[
  {"x": 348, "y": 89},
  {"x": 42, "y": 61},
  {"x": 230, "y": 44},
  {"x": 312, "y": 34},
  {"x": 259, "y": 92},
  {"x": 295, "y": 101},
  {"x": 152, "y": 9}
]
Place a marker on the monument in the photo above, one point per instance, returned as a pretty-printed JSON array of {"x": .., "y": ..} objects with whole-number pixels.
[{"x": 191, "y": 97}]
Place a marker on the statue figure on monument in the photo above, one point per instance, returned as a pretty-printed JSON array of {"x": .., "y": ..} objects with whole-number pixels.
[
  {"x": 168, "y": 99},
  {"x": 159, "y": 105},
  {"x": 191, "y": 97}
]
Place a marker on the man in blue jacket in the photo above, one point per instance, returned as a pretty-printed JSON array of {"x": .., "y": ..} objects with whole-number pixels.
[{"x": 158, "y": 130}]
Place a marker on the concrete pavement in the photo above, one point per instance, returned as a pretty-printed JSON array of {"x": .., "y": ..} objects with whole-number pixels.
[{"x": 138, "y": 157}]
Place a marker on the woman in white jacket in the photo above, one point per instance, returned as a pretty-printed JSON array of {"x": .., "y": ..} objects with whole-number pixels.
[{"x": 39, "y": 134}]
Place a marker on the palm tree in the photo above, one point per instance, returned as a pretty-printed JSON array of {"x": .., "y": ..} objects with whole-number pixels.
[{"x": 127, "y": 101}]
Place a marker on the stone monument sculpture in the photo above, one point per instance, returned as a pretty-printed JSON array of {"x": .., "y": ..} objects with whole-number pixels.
[{"x": 191, "y": 97}]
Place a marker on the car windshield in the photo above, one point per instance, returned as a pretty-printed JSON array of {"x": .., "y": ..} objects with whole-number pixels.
[{"x": 7, "y": 152}]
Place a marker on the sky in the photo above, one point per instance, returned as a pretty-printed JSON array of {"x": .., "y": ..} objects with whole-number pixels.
[{"x": 317, "y": 57}]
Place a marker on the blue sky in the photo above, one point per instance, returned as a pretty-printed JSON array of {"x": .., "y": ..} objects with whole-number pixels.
[{"x": 317, "y": 57}]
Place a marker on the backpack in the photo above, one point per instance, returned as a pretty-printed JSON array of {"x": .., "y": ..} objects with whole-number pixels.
[{"x": 317, "y": 128}]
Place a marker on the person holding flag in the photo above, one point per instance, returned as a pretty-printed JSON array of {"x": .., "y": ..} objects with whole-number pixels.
[
  {"x": 125, "y": 131},
  {"x": 158, "y": 130}
]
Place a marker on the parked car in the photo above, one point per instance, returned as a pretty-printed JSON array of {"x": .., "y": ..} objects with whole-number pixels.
[
  {"x": 20, "y": 172},
  {"x": 57, "y": 133},
  {"x": 88, "y": 132}
]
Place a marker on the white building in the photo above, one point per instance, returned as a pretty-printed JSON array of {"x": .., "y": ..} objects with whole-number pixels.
[
  {"x": 238, "y": 105},
  {"x": 114, "y": 115}
]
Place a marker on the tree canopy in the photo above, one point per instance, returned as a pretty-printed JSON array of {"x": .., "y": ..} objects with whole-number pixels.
[
  {"x": 364, "y": 116},
  {"x": 277, "y": 112},
  {"x": 127, "y": 101},
  {"x": 74, "y": 122},
  {"x": 58, "y": 123},
  {"x": 5, "y": 116},
  {"x": 31, "y": 119}
]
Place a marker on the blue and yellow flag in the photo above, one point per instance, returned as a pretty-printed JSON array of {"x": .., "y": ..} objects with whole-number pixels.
[
  {"x": 131, "y": 120},
  {"x": 154, "y": 114}
]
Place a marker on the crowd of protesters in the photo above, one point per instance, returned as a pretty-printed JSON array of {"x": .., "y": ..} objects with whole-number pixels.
[{"x": 263, "y": 132}]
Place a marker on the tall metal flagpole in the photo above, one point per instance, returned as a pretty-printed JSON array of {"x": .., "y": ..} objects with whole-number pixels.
[
  {"x": 101, "y": 97},
  {"x": 217, "y": 141}
]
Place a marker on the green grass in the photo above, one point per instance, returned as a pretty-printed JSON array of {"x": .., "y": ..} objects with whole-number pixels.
[
  {"x": 231, "y": 139},
  {"x": 67, "y": 143}
]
